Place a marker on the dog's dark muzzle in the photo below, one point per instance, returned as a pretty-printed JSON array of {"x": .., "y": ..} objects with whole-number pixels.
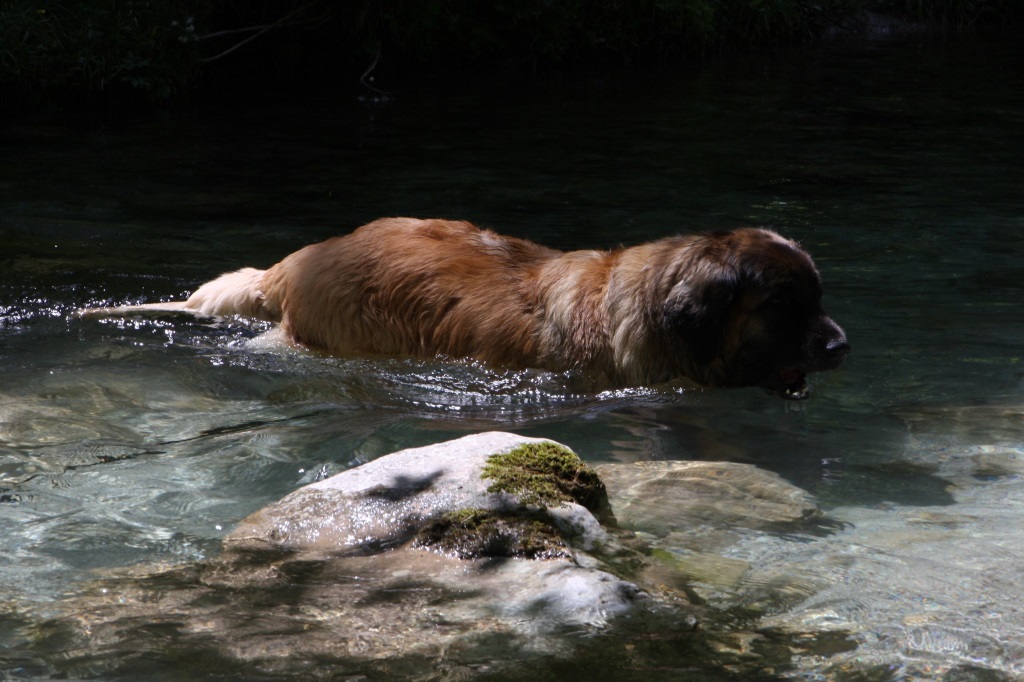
[
  {"x": 830, "y": 346},
  {"x": 826, "y": 350}
]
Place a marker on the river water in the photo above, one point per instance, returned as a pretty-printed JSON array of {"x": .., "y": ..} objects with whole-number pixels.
[{"x": 898, "y": 163}]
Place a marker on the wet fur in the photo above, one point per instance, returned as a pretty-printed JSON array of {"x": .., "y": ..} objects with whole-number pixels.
[{"x": 725, "y": 309}]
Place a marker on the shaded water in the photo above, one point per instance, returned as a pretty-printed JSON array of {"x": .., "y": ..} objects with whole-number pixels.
[{"x": 897, "y": 164}]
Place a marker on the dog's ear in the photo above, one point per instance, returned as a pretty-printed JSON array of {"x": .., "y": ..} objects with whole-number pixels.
[{"x": 696, "y": 310}]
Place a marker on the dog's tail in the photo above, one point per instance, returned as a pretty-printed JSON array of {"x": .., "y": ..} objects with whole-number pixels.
[{"x": 234, "y": 293}]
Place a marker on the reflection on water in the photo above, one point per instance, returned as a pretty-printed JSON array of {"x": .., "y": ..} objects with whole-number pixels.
[{"x": 897, "y": 165}]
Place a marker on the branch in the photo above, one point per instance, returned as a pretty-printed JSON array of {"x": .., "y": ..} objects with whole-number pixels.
[
  {"x": 260, "y": 30},
  {"x": 382, "y": 95}
]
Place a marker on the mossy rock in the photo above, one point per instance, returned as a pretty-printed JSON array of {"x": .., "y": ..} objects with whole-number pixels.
[
  {"x": 545, "y": 474},
  {"x": 477, "y": 533}
]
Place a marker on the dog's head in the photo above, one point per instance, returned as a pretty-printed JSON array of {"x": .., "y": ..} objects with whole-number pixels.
[{"x": 745, "y": 310}]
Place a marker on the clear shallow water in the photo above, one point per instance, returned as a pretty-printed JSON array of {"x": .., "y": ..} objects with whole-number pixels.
[{"x": 897, "y": 164}]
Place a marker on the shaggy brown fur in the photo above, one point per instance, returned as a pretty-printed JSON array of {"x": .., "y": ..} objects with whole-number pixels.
[{"x": 727, "y": 309}]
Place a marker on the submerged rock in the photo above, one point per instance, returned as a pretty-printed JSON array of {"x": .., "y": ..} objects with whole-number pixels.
[
  {"x": 962, "y": 442},
  {"x": 472, "y": 552},
  {"x": 692, "y": 515},
  {"x": 661, "y": 497},
  {"x": 479, "y": 556}
]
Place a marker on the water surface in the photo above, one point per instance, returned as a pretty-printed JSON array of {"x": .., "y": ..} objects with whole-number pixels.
[{"x": 897, "y": 164}]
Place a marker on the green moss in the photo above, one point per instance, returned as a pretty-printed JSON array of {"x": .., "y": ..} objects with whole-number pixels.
[
  {"x": 545, "y": 474},
  {"x": 663, "y": 555},
  {"x": 475, "y": 533}
]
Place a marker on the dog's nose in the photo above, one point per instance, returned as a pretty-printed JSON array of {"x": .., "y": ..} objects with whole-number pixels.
[
  {"x": 838, "y": 348},
  {"x": 833, "y": 345}
]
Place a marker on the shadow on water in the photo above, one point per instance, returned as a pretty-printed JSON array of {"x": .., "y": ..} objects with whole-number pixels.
[{"x": 265, "y": 616}]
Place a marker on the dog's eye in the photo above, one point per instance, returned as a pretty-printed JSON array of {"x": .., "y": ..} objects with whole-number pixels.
[{"x": 781, "y": 303}]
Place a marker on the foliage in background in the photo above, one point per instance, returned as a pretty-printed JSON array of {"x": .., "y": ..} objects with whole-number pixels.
[
  {"x": 572, "y": 30},
  {"x": 95, "y": 46},
  {"x": 160, "y": 48},
  {"x": 960, "y": 15}
]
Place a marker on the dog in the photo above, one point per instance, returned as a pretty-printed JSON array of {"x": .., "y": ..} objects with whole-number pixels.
[{"x": 723, "y": 309}]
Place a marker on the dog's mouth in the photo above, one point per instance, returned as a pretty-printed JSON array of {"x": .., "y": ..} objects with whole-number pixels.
[{"x": 790, "y": 384}]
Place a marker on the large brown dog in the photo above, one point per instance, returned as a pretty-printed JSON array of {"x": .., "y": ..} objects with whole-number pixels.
[{"x": 740, "y": 308}]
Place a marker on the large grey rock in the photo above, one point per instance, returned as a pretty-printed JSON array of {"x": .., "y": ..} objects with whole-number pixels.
[
  {"x": 415, "y": 502},
  {"x": 389, "y": 501}
]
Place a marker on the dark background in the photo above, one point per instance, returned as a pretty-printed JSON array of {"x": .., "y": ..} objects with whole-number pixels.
[{"x": 110, "y": 55}]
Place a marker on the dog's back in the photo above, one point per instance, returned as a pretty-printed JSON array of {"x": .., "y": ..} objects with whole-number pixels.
[
  {"x": 425, "y": 288},
  {"x": 400, "y": 286}
]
